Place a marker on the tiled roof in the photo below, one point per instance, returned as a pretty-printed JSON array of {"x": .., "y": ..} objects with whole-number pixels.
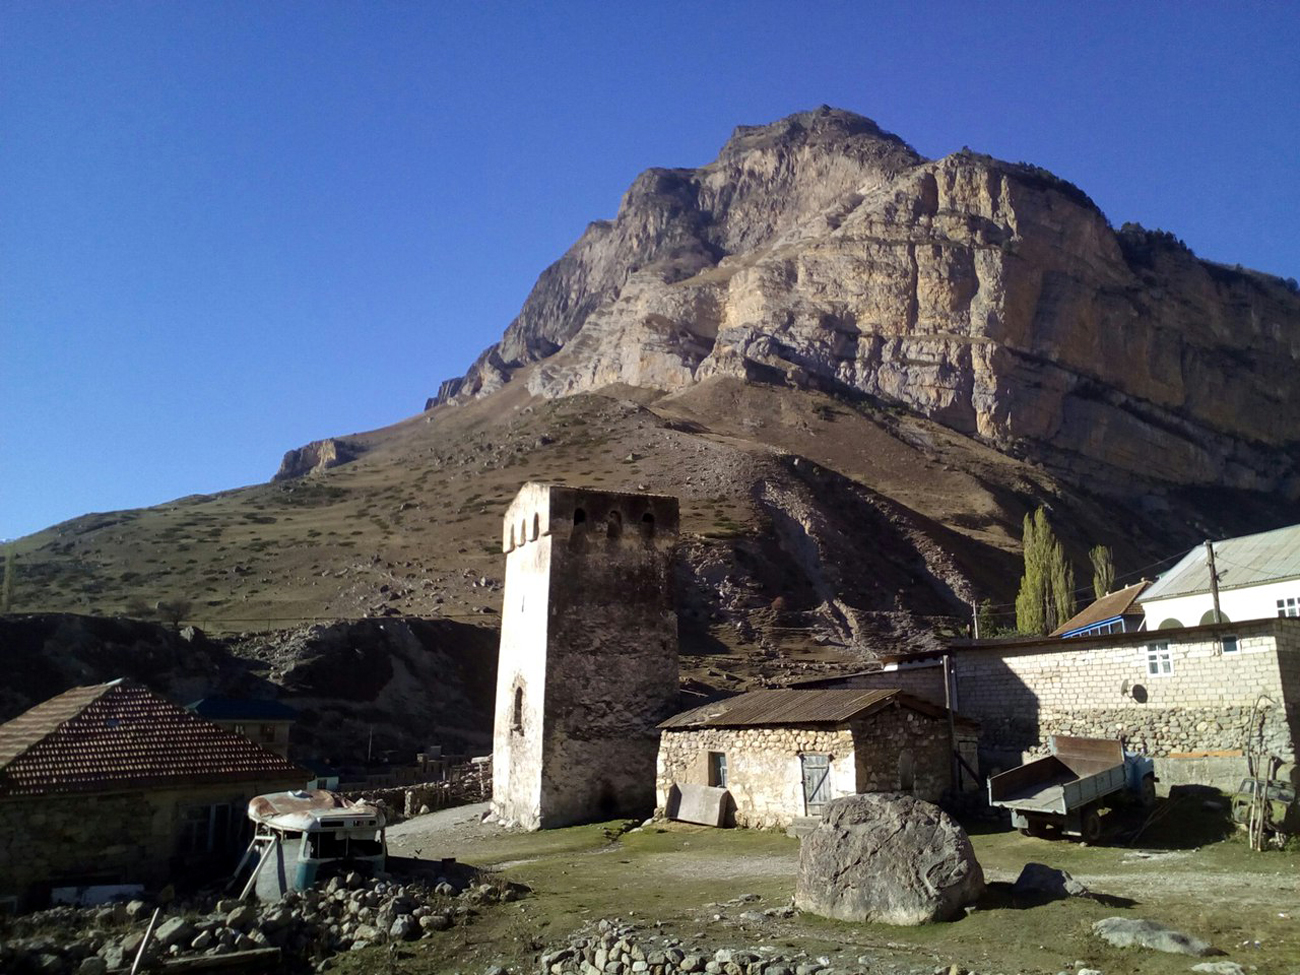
[
  {"x": 1245, "y": 561},
  {"x": 783, "y": 706},
  {"x": 120, "y": 735},
  {"x": 242, "y": 709},
  {"x": 1108, "y": 607}
]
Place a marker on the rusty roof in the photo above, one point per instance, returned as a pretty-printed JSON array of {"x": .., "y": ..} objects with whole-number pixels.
[
  {"x": 303, "y": 810},
  {"x": 786, "y": 705},
  {"x": 121, "y": 735}
]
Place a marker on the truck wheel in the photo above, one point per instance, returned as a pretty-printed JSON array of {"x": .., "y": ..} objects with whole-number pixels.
[
  {"x": 1090, "y": 826},
  {"x": 1148, "y": 791}
]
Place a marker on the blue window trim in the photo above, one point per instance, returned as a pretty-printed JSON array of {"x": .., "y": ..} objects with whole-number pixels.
[{"x": 1092, "y": 627}]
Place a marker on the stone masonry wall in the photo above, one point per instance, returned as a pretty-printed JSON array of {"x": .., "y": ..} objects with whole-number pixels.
[
  {"x": 588, "y": 662},
  {"x": 882, "y": 739},
  {"x": 123, "y": 837},
  {"x": 765, "y": 777},
  {"x": 1195, "y": 721},
  {"x": 764, "y": 774}
]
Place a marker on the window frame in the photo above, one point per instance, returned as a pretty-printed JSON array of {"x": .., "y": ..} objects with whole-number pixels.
[
  {"x": 1160, "y": 659},
  {"x": 717, "y": 769}
]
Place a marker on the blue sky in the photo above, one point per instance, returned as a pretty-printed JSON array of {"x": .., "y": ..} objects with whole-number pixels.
[{"x": 227, "y": 229}]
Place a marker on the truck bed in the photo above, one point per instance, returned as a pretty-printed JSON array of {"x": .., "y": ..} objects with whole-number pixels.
[{"x": 1079, "y": 772}]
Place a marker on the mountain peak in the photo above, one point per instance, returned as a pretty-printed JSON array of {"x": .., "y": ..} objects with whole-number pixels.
[{"x": 818, "y": 126}]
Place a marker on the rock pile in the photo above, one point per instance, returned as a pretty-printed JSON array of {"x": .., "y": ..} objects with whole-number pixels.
[
  {"x": 617, "y": 948},
  {"x": 348, "y": 913}
]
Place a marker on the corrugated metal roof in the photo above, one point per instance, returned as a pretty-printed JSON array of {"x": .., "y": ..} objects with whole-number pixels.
[
  {"x": 1107, "y": 607},
  {"x": 1245, "y": 561},
  {"x": 781, "y": 706},
  {"x": 121, "y": 735}
]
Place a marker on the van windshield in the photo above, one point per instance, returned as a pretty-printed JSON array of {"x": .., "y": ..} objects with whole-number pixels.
[{"x": 341, "y": 845}]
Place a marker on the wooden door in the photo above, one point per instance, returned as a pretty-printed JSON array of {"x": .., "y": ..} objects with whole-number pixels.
[{"x": 816, "y": 783}]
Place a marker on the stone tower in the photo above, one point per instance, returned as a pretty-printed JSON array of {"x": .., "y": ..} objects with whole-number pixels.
[{"x": 588, "y": 662}]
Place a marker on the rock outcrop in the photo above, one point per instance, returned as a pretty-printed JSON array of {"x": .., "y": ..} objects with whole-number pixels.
[
  {"x": 889, "y": 859},
  {"x": 317, "y": 456},
  {"x": 822, "y": 252}
]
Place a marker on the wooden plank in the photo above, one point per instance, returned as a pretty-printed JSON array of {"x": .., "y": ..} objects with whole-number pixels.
[{"x": 255, "y": 959}]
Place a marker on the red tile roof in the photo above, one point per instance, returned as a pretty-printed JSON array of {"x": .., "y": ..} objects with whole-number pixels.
[{"x": 121, "y": 735}]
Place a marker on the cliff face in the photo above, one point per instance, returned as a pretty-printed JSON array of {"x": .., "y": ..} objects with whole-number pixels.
[{"x": 995, "y": 298}]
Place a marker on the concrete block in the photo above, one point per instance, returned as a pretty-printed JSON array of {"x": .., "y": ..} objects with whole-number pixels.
[{"x": 702, "y": 804}]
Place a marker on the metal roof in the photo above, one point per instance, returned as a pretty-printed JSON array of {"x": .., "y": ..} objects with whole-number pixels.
[
  {"x": 781, "y": 706},
  {"x": 1245, "y": 561}
]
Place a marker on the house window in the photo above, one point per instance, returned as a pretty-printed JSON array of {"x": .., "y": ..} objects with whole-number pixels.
[
  {"x": 1288, "y": 607},
  {"x": 718, "y": 769},
  {"x": 1159, "y": 661},
  {"x": 204, "y": 829},
  {"x": 1229, "y": 644}
]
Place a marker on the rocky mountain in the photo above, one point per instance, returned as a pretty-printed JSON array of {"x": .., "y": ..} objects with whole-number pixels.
[
  {"x": 991, "y": 297},
  {"x": 858, "y": 369}
]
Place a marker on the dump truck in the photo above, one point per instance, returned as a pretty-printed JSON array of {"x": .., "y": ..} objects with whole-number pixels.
[{"x": 1068, "y": 789}]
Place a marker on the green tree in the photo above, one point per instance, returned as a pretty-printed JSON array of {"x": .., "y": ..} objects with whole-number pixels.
[
  {"x": 1103, "y": 570},
  {"x": 1046, "y": 597}
]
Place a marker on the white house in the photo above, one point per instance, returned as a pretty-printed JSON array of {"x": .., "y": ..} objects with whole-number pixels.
[{"x": 1259, "y": 577}]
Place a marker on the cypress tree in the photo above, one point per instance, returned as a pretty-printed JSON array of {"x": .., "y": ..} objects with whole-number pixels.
[
  {"x": 1103, "y": 570},
  {"x": 1046, "y": 597}
]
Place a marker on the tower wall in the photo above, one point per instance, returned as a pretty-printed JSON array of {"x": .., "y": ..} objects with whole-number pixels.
[{"x": 588, "y": 633}]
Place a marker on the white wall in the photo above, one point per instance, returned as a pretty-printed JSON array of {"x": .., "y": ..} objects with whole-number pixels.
[{"x": 1247, "y": 603}]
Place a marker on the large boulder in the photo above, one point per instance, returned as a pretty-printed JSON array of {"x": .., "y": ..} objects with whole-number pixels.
[{"x": 887, "y": 858}]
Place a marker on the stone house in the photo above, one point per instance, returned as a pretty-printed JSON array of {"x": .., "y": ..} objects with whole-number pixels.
[
  {"x": 1258, "y": 577},
  {"x": 1196, "y": 699},
  {"x": 784, "y": 753},
  {"x": 112, "y": 784},
  {"x": 266, "y": 722}
]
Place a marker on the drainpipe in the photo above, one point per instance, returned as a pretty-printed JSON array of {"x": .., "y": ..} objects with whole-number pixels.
[{"x": 952, "y": 723}]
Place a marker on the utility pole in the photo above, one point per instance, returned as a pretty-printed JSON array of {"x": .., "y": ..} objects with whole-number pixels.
[
  {"x": 1214, "y": 580},
  {"x": 7, "y": 587}
]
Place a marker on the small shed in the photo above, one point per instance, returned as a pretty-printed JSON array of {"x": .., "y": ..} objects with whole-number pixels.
[{"x": 784, "y": 753}]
